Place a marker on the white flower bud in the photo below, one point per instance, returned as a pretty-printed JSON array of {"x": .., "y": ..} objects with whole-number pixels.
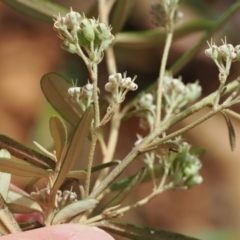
[
  {"x": 74, "y": 91},
  {"x": 133, "y": 86},
  {"x": 226, "y": 50},
  {"x": 115, "y": 78},
  {"x": 212, "y": 52},
  {"x": 109, "y": 87}
]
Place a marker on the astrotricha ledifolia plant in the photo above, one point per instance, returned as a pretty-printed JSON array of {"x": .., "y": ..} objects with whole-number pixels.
[{"x": 170, "y": 162}]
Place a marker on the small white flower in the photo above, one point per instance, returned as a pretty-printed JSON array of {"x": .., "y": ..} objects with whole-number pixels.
[
  {"x": 133, "y": 86},
  {"x": 115, "y": 78},
  {"x": 109, "y": 87},
  {"x": 73, "y": 91}
]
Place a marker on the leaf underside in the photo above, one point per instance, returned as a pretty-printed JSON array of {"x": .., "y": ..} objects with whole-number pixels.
[{"x": 136, "y": 232}]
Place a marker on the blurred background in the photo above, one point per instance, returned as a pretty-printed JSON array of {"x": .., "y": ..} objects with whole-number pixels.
[{"x": 30, "y": 48}]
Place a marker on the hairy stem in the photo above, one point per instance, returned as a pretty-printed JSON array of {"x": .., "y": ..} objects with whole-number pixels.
[
  {"x": 90, "y": 163},
  {"x": 207, "y": 101},
  {"x": 161, "y": 78}
]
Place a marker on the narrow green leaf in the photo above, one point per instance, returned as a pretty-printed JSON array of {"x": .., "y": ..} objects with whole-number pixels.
[
  {"x": 120, "y": 14},
  {"x": 104, "y": 165},
  {"x": 198, "y": 151},
  {"x": 77, "y": 174},
  {"x": 74, "y": 209},
  {"x": 21, "y": 168},
  {"x": 133, "y": 182},
  {"x": 7, "y": 220},
  {"x": 59, "y": 134},
  {"x": 55, "y": 89},
  {"x": 25, "y": 226},
  {"x": 155, "y": 37},
  {"x": 40, "y": 9},
  {"x": 136, "y": 232},
  {"x": 134, "y": 113},
  {"x": 27, "y": 154},
  {"x": 231, "y": 132},
  {"x": 75, "y": 146},
  {"x": 29, "y": 186},
  {"x": 123, "y": 183},
  {"x": 19, "y": 203}
]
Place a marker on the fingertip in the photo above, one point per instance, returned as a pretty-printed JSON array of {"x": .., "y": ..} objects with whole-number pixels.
[{"x": 62, "y": 232}]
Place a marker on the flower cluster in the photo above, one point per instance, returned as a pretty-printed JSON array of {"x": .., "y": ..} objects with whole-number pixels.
[
  {"x": 119, "y": 85},
  {"x": 62, "y": 198},
  {"x": 223, "y": 56},
  {"x": 146, "y": 111},
  {"x": 78, "y": 32},
  {"x": 185, "y": 167},
  {"x": 162, "y": 11},
  {"x": 176, "y": 95},
  {"x": 83, "y": 95},
  {"x": 223, "y": 52}
]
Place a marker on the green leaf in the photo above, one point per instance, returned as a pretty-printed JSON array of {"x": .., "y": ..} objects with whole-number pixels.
[
  {"x": 120, "y": 14},
  {"x": 40, "y": 9},
  {"x": 136, "y": 232},
  {"x": 59, "y": 134},
  {"x": 25, "y": 226},
  {"x": 29, "y": 186},
  {"x": 74, "y": 209},
  {"x": 27, "y": 154},
  {"x": 231, "y": 132},
  {"x": 198, "y": 151},
  {"x": 133, "y": 182},
  {"x": 8, "y": 223},
  {"x": 19, "y": 203},
  {"x": 104, "y": 165},
  {"x": 55, "y": 89},
  {"x": 77, "y": 174},
  {"x": 156, "y": 37},
  {"x": 75, "y": 146},
  {"x": 134, "y": 113},
  {"x": 21, "y": 168},
  {"x": 123, "y": 183}
]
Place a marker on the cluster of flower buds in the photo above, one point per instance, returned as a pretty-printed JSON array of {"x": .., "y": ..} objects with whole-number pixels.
[
  {"x": 146, "y": 111},
  {"x": 119, "y": 85},
  {"x": 185, "y": 167},
  {"x": 78, "y": 31},
  {"x": 62, "y": 198},
  {"x": 177, "y": 95},
  {"x": 223, "y": 56},
  {"x": 162, "y": 11},
  {"x": 83, "y": 95},
  {"x": 224, "y": 52}
]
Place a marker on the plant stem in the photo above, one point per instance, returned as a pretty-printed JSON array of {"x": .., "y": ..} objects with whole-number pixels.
[
  {"x": 127, "y": 208},
  {"x": 135, "y": 151},
  {"x": 112, "y": 143},
  {"x": 90, "y": 162},
  {"x": 193, "y": 124},
  {"x": 161, "y": 77},
  {"x": 50, "y": 208},
  {"x": 93, "y": 71},
  {"x": 233, "y": 114},
  {"x": 93, "y": 74}
]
